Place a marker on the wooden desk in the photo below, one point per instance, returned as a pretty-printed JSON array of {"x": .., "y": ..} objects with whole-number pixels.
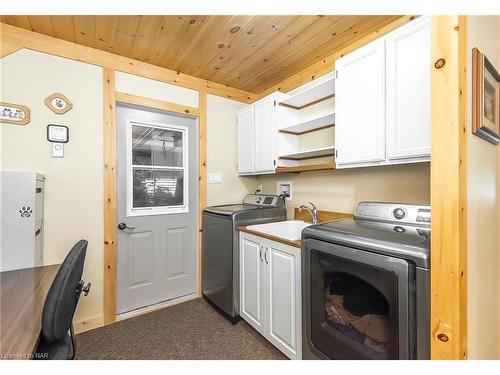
[{"x": 22, "y": 295}]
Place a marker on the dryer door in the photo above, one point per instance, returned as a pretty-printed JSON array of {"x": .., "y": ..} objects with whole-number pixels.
[{"x": 357, "y": 303}]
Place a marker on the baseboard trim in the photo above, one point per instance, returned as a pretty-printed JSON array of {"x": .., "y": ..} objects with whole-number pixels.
[
  {"x": 157, "y": 306},
  {"x": 89, "y": 324}
]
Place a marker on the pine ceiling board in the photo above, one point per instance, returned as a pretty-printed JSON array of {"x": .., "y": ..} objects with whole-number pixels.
[
  {"x": 19, "y": 21},
  {"x": 320, "y": 30},
  {"x": 236, "y": 36},
  {"x": 148, "y": 28},
  {"x": 212, "y": 39},
  {"x": 42, "y": 25},
  {"x": 239, "y": 45},
  {"x": 125, "y": 34},
  {"x": 63, "y": 27},
  {"x": 254, "y": 62},
  {"x": 105, "y": 30},
  {"x": 167, "y": 34},
  {"x": 85, "y": 30},
  {"x": 292, "y": 56},
  {"x": 187, "y": 33},
  {"x": 362, "y": 29},
  {"x": 261, "y": 39}
]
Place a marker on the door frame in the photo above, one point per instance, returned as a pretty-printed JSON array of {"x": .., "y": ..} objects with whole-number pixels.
[{"x": 111, "y": 97}]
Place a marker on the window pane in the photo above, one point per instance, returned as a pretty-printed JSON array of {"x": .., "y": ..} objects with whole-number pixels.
[
  {"x": 157, "y": 147},
  {"x": 157, "y": 188}
]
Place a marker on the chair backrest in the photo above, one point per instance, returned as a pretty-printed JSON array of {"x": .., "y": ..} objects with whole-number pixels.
[{"x": 61, "y": 300}]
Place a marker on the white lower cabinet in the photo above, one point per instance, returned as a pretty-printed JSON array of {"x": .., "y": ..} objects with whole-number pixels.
[{"x": 270, "y": 291}]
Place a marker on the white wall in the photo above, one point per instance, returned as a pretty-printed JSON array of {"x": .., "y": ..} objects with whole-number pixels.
[
  {"x": 222, "y": 154},
  {"x": 74, "y": 185},
  {"x": 484, "y": 212}
]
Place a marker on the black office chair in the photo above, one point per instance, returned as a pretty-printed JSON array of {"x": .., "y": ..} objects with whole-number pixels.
[{"x": 57, "y": 341}]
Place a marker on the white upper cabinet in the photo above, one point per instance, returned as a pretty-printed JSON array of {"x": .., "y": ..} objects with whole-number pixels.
[
  {"x": 257, "y": 127},
  {"x": 383, "y": 99},
  {"x": 408, "y": 65},
  {"x": 246, "y": 140},
  {"x": 360, "y": 103},
  {"x": 264, "y": 135}
]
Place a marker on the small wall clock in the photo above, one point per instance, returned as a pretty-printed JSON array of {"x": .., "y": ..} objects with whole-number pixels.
[
  {"x": 14, "y": 113},
  {"x": 58, "y": 103}
]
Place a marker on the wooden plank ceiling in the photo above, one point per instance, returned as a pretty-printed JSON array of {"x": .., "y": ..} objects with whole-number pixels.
[{"x": 246, "y": 52}]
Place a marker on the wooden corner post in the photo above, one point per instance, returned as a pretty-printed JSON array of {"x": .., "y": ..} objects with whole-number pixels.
[
  {"x": 202, "y": 107},
  {"x": 449, "y": 188},
  {"x": 109, "y": 196}
]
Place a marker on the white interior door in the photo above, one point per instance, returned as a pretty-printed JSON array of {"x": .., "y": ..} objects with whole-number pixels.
[
  {"x": 246, "y": 140},
  {"x": 157, "y": 207},
  {"x": 360, "y": 106},
  {"x": 409, "y": 90}
]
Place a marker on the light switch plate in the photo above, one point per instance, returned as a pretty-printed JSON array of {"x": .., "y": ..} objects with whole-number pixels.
[
  {"x": 57, "y": 150},
  {"x": 215, "y": 178}
]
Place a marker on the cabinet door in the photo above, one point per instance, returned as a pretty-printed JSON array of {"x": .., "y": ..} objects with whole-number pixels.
[
  {"x": 246, "y": 140},
  {"x": 408, "y": 69},
  {"x": 360, "y": 106},
  {"x": 284, "y": 298},
  {"x": 251, "y": 280},
  {"x": 264, "y": 136}
]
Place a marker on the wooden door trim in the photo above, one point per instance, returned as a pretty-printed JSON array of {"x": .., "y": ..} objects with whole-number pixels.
[
  {"x": 111, "y": 97},
  {"x": 142, "y": 101},
  {"x": 109, "y": 286},
  {"x": 449, "y": 188}
]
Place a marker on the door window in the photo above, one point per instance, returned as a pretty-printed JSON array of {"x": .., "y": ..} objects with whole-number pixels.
[{"x": 157, "y": 169}]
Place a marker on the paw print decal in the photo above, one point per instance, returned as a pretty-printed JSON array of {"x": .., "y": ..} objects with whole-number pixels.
[{"x": 26, "y": 211}]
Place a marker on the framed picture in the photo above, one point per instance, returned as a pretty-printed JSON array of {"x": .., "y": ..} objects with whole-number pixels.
[
  {"x": 57, "y": 133},
  {"x": 485, "y": 98},
  {"x": 14, "y": 113},
  {"x": 58, "y": 103}
]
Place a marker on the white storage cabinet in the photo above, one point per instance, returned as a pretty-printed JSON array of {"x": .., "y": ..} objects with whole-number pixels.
[
  {"x": 256, "y": 134},
  {"x": 383, "y": 99},
  {"x": 270, "y": 291}
]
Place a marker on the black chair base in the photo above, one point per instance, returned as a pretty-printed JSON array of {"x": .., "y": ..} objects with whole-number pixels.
[{"x": 54, "y": 350}]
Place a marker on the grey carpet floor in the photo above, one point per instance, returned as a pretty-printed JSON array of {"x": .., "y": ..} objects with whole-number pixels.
[{"x": 190, "y": 330}]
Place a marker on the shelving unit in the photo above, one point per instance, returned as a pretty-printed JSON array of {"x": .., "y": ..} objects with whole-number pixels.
[
  {"x": 311, "y": 95},
  {"x": 306, "y": 168},
  {"x": 317, "y": 123},
  {"x": 310, "y": 154}
]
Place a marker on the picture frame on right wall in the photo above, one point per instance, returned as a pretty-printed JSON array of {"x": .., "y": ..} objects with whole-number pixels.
[{"x": 485, "y": 98}]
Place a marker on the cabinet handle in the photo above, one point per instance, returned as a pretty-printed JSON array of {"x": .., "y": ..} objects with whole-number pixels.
[
  {"x": 265, "y": 256},
  {"x": 260, "y": 253}
]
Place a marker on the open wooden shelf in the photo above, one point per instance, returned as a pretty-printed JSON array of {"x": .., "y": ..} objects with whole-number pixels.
[
  {"x": 317, "y": 123},
  {"x": 312, "y": 95},
  {"x": 310, "y": 154},
  {"x": 306, "y": 168}
]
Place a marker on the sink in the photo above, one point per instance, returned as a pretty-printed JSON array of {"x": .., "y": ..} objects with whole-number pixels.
[{"x": 290, "y": 230}]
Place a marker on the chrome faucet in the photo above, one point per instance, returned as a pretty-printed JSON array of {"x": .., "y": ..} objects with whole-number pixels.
[{"x": 313, "y": 211}]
